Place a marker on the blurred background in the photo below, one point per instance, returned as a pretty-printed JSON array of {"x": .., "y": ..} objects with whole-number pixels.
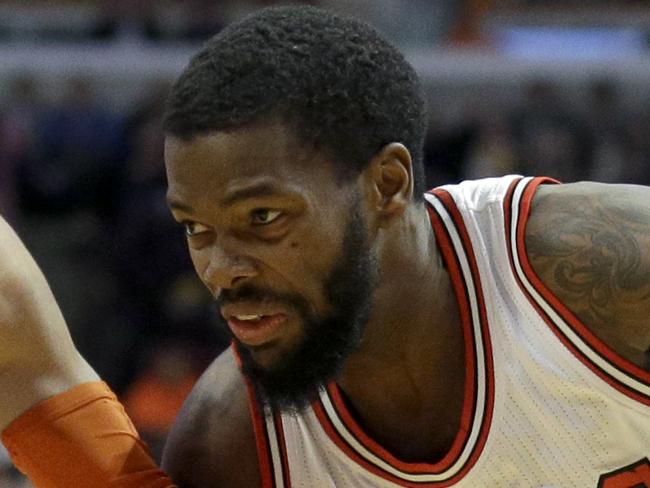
[{"x": 538, "y": 87}]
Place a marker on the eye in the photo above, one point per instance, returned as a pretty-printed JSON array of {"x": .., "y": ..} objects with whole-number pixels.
[
  {"x": 193, "y": 228},
  {"x": 264, "y": 216}
]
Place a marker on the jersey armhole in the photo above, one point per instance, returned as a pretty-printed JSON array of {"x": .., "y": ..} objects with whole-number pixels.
[{"x": 614, "y": 369}]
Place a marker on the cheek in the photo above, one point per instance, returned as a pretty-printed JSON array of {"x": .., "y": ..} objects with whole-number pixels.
[
  {"x": 306, "y": 265},
  {"x": 307, "y": 258},
  {"x": 201, "y": 263}
]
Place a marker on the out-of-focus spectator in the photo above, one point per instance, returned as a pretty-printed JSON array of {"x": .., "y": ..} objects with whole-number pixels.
[
  {"x": 446, "y": 149},
  {"x": 637, "y": 159},
  {"x": 620, "y": 147},
  {"x": 193, "y": 314},
  {"x": 144, "y": 138},
  {"x": 156, "y": 396},
  {"x": 77, "y": 150},
  {"x": 17, "y": 125},
  {"x": 492, "y": 152},
  {"x": 127, "y": 20},
  {"x": 550, "y": 139},
  {"x": 468, "y": 26},
  {"x": 205, "y": 18},
  {"x": 607, "y": 126},
  {"x": 146, "y": 235}
]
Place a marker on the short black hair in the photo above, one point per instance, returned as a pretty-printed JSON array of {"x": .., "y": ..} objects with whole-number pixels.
[{"x": 334, "y": 80}]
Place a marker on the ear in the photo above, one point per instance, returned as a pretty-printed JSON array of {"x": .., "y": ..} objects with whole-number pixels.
[{"x": 390, "y": 179}]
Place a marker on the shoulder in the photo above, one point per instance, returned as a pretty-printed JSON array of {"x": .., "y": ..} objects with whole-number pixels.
[
  {"x": 590, "y": 244},
  {"x": 212, "y": 442}
]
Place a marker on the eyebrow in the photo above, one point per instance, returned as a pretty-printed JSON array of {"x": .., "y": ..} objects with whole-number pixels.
[{"x": 259, "y": 190}]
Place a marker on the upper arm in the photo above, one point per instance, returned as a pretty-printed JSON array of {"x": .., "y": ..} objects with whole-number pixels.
[
  {"x": 590, "y": 244},
  {"x": 212, "y": 443}
]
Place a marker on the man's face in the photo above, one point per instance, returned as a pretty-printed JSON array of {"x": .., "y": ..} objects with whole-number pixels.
[{"x": 283, "y": 246}]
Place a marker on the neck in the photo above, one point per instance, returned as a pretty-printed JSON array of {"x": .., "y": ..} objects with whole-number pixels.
[{"x": 409, "y": 372}]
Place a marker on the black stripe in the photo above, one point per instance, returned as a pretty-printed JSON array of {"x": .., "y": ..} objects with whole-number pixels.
[
  {"x": 388, "y": 473},
  {"x": 467, "y": 297},
  {"x": 267, "y": 440},
  {"x": 483, "y": 326},
  {"x": 284, "y": 461}
]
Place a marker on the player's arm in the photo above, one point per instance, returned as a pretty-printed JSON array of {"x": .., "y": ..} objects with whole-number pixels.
[
  {"x": 590, "y": 244},
  {"x": 212, "y": 443},
  {"x": 61, "y": 425},
  {"x": 37, "y": 356}
]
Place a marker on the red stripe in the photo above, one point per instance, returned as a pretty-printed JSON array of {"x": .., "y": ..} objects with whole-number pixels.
[
  {"x": 467, "y": 417},
  {"x": 567, "y": 315},
  {"x": 331, "y": 431},
  {"x": 279, "y": 429},
  {"x": 340, "y": 442},
  {"x": 379, "y": 451},
  {"x": 261, "y": 434},
  {"x": 451, "y": 207}
]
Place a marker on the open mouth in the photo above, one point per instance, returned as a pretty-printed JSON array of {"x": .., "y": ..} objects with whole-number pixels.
[
  {"x": 250, "y": 318},
  {"x": 256, "y": 329}
]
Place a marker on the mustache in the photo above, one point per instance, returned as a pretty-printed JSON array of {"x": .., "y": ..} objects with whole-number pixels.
[
  {"x": 247, "y": 293},
  {"x": 250, "y": 293}
]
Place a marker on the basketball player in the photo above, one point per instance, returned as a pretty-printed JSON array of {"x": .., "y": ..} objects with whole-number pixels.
[{"x": 487, "y": 334}]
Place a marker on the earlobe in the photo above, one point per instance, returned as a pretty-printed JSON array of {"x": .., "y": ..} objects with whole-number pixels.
[{"x": 393, "y": 181}]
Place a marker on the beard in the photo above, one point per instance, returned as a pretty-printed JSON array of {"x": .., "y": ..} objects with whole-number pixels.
[{"x": 295, "y": 380}]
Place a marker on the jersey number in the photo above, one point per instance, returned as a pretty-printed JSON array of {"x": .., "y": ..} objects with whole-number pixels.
[{"x": 636, "y": 475}]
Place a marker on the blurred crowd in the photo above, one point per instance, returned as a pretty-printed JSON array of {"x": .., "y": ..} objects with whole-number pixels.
[
  {"x": 592, "y": 133},
  {"x": 173, "y": 21}
]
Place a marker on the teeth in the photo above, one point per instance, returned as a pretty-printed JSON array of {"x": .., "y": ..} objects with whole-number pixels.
[{"x": 248, "y": 317}]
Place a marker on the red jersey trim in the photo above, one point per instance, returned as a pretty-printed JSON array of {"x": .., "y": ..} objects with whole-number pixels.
[
  {"x": 615, "y": 370},
  {"x": 262, "y": 439},
  {"x": 284, "y": 459},
  {"x": 344, "y": 431}
]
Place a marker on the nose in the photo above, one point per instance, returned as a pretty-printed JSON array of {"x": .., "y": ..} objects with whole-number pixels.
[{"x": 225, "y": 270}]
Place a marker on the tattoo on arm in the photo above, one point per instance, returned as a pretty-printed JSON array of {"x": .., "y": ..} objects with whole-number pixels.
[{"x": 593, "y": 251}]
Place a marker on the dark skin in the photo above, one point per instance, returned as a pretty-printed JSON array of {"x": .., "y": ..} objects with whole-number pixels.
[
  {"x": 590, "y": 244},
  {"x": 406, "y": 382}
]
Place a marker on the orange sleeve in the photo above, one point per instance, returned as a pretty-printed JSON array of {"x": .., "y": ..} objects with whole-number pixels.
[{"x": 82, "y": 438}]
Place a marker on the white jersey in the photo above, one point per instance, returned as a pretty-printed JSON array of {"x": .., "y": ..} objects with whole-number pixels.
[{"x": 546, "y": 403}]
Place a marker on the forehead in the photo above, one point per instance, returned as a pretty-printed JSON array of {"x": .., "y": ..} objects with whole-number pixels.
[{"x": 265, "y": 153}]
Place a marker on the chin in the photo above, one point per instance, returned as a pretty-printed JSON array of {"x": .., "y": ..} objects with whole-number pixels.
[
  {"x": 267, "y": 357},
  {"x": 271, "y": 357}
]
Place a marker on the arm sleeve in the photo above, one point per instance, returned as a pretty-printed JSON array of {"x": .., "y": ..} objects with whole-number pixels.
[{"x": 82, "y": 438}]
